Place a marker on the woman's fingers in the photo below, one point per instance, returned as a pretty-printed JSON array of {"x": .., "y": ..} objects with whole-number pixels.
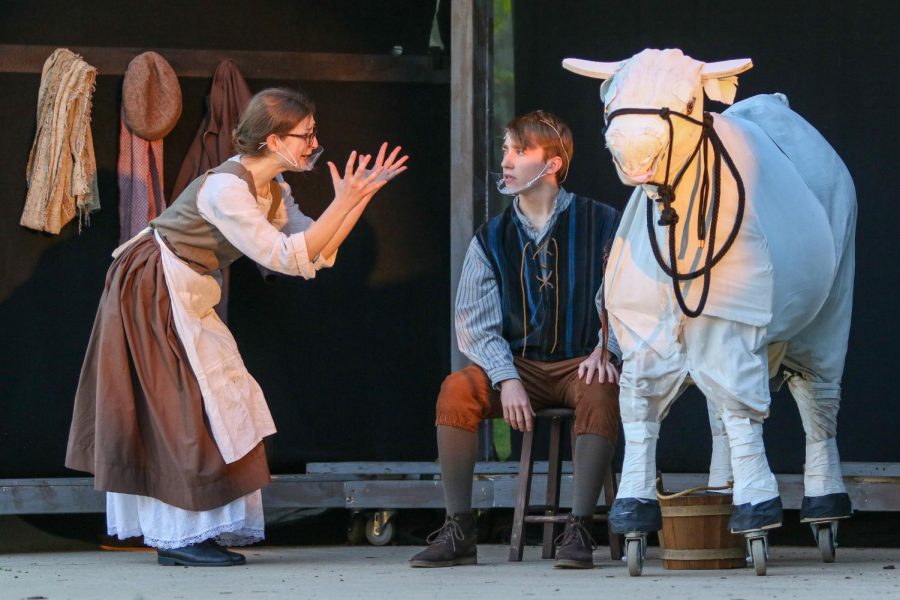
[
  {"x": 399, "y": 163},
  {"x": 335, "y": 175},
  {"x": 392, "y": 170},
  {"x": 348, "y": 171},
  {"x": 368, "y": 181},
  {"x": 363, "y": 163},
  {"x": 373, "y": 178},
  {"x": 392, "y": 157},
  {"x": 396, "y": 172},
  {"x": 379, "y": 160}
]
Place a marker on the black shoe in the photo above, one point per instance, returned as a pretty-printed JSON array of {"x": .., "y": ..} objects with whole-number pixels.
[
  {"x": 576, "y": 550},
  {"x": 204, "y": 554},
  {"x": 451, "y": 545},
  {"x": 236, "y": 558}
]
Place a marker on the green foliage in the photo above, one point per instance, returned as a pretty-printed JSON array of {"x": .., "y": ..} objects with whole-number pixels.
[{"x": 502, "y": 441}]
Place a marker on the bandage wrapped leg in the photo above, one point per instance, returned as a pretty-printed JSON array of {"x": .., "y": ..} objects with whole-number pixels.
[
  {"x": 636, "y": 507},
  {"x": 639, "y": 465},
  {"x": 649, "y": 384},
  {"x": 720, "y": 461},
  {"x": 825, "y": 495},
  {"x": 757, "y": 504}
]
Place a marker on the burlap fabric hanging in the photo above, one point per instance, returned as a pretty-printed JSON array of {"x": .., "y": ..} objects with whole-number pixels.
[{"x": 62, "y": 171}]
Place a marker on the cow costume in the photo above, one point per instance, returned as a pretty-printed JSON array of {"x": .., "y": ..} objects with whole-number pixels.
[{"x": 735, "y": 257}]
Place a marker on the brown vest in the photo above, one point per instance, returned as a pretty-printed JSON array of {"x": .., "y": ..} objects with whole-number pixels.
[{"x": 194, "y": 239}]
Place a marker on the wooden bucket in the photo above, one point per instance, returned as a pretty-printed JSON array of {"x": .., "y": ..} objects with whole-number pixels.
[{"x": 695, "y": 532}]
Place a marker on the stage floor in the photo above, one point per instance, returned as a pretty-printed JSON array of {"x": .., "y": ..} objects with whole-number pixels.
[{"x": 332, "y": 572}]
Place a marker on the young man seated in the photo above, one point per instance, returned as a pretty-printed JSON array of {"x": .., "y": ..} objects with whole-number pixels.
[{"x": 526, "y": 316}]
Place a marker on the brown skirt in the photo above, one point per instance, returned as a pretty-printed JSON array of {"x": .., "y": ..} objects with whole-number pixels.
[{"x": 138, "y": 424}]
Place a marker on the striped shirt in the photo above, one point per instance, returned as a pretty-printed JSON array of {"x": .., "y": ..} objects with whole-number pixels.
[{"x": 479, "y": 318}]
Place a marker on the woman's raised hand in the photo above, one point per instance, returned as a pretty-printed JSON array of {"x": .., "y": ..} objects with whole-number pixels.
[
  {"x": 356, "y": 184},
  {"x": 360, "y": 184},
  {"x": 390, "y": 167},
  {"x": 352, "y": 193}
]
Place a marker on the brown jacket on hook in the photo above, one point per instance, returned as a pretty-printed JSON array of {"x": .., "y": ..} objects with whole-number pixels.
[{"x": 212, "y": 145}]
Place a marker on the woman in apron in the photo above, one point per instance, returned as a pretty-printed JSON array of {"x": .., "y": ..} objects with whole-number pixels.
[{"x": 166, "y": 416}]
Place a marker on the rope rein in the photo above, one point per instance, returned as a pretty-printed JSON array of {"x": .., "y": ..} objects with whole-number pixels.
[{"x": 693, "y": 490}]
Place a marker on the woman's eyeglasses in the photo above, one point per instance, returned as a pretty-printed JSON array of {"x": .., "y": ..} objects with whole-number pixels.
[{"x": 306, "y": 137}]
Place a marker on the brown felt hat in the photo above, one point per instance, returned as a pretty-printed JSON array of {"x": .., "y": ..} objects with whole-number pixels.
[{"x": 151, "y": 96}]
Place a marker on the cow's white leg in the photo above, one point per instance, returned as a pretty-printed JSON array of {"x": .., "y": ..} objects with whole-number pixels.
[
  {"x": 818, "y": 404},
  {"x": 816, "y": 356},
  {"x": 720, "y": 461},
  {"x": 647, "y": 387},
  {"x": 729, "y": 363},
  {"x": 753, "y": 479},
  {"x": 824, "y": 493}
]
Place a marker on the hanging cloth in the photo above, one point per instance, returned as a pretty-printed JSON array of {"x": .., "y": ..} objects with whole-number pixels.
[
  {"x": 140, "y": 169},
  {"x": 212, "y": 145},
  {"x": 62, "y": 171}
]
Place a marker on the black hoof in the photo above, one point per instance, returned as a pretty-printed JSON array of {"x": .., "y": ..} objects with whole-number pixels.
[
  {"x": 635, "y": 514},
  {"x": 825, "y": 508},
  {"x": 749, "y": 517}
]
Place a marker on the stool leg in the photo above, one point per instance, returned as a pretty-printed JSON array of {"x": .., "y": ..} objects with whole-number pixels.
[
  {"x": 554, "y": 475},
  {"x": 610, "y": 489},
  {"x": 526, "y": 467}
]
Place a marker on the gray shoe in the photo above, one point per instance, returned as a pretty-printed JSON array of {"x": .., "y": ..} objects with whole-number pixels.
[
  {"x": 451, "y": 545},
  {"x": 576, "y": 546}
]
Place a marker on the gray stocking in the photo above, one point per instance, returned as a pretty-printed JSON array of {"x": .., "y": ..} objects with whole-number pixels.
[
  {"x": 457, "y": 450},
  {"x": 593, "y": 454}
]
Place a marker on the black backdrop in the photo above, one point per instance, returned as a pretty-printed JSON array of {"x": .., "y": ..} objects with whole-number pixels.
[
  {"x": 836, "y": 62},
  {"x": 351, "y": 361}
]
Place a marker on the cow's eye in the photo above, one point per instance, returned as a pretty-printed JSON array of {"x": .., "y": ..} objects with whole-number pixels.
[{"x": 690, "y": 105}]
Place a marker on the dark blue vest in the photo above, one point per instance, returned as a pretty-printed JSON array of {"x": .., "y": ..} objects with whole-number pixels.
[{"x": 551, "y": 317}]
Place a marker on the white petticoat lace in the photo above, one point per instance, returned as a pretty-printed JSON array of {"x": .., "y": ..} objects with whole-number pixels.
[
  {"x": 226, "y": 535},
  {"x": 162, "y": 525}
]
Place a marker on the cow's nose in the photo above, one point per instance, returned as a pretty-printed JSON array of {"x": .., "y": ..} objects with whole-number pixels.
[{"x": 634, "y": 152}]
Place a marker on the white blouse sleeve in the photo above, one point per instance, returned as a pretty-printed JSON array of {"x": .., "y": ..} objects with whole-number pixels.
[
  {"x": 225, "y": 202},
  {"x": 297, "y": 221}
]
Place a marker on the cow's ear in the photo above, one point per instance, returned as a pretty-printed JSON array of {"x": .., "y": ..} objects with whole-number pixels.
[
  {"x": 720, "y": 78},
  {"x": 590, "y": 68},
  {"x": 608, "y": 90}
]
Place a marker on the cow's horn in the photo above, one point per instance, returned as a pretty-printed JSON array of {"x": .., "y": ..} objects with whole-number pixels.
[
  {"x": 725, "y": 68},
  {"x": 590, "y": 68}
]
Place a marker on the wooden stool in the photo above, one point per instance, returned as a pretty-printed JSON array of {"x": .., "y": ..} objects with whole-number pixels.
[{"x": 551, "y": 517}]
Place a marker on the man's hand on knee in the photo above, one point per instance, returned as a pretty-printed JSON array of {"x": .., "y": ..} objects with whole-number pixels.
[
  {"x": 591, "y": 365},
  {"x": 517, "y": 409}
]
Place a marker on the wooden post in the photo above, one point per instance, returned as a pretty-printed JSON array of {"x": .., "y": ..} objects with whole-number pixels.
[
  {"x": 470, "y": 111},
  {"x": 471, "y": 84}
]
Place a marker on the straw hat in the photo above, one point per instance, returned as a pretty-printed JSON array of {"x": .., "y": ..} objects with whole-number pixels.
[{"x": 151, "y": 96}]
